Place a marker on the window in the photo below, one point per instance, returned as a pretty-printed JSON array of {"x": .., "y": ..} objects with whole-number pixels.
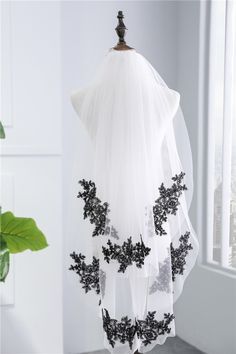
[{"x": 220, "y": 218}]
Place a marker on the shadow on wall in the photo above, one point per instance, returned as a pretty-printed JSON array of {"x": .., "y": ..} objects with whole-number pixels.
[{"x": 14, "y": 328}]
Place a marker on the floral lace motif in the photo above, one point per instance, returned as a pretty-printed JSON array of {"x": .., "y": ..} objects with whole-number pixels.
[
  {"x": 95, "y": 210},
  {"x": 126, "y": 254},
  {"x": 178, "y": 261},
  {"x": 168, "y": 202},
  {"x": 149, "y": 329},
  {"x": 179, "y": 254},
  {"x": 88, "y": 273},
  {"x": 124, "y": 331},
  {"x": 102, "y": 282},
  {"x": 163, "y": 280}
]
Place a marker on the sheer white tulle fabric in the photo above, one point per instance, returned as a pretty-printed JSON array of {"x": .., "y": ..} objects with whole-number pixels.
[{"x": 140, "y": 141}]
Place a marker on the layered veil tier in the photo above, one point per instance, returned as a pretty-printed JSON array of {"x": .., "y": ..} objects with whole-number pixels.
[{"x": 137, "y": 201}]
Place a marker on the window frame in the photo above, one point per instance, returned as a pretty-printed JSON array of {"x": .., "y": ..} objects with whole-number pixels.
[{"x": 206, "y": 164}]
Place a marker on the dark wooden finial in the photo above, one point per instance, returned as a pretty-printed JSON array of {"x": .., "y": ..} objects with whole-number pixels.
[{"x": 120, "y": 30}]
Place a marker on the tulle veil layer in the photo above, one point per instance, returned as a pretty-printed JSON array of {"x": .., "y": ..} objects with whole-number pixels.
[{"x": 140, "y": 143}]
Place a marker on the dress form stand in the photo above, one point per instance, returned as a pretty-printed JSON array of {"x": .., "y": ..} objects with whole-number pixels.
[
  {"x": 120, "y": 30},
  {"x": 76, "y": 96},
  {"x": 121, "y": 45}
]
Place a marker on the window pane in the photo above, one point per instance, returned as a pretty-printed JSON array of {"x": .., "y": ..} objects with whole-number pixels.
[
  {"x": 217, "y": 100},
  {"x": 221, "y": 134},
  {"x": 233, "y": 172}
]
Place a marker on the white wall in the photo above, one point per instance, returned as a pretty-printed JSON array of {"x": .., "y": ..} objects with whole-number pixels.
[
  {"x": 31, "y": 318},
  {"x": 87, "y": 34}
]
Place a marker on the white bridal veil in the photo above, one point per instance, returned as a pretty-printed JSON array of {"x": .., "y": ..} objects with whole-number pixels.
[{"x": 137, "y": 200}]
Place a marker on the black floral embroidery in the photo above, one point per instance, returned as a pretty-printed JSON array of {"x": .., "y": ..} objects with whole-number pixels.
[
  {"x": 179, "y": 254},
  {"x": 178, "y": 261},
  {"x": 168, "y": 202},
  {"x": 149, "y": 329},
  {"x": 163, "y": 280},
  {"x": 124, "y": 331},
  {"x": 126, "y": 254},
  {"x": 88, "y": 273},
  {"x": 96, "y": 210}
]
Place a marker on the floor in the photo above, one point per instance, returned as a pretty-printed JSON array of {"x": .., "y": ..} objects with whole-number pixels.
[{"x": 172, "y": 346}]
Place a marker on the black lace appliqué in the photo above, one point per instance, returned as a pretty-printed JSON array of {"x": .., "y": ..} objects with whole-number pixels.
[
  {"x": 179, "y": 254},
  {"x": 88, "y": 273},
  {"x": 124, "y": 331},
  {"x": 163, "y": 280},
  {"x": 178, "y": 261},
  {"x": 95, "y": 210},
  {"x": 115, "y": 330},
  {"x": 168, "y": 202},
  {"x": 126, "y": 254},
  {"x": 149, "y": 329}
]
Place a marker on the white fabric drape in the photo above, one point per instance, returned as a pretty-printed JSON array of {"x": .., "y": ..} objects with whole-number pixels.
[{"x": 140, "y": 142}]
